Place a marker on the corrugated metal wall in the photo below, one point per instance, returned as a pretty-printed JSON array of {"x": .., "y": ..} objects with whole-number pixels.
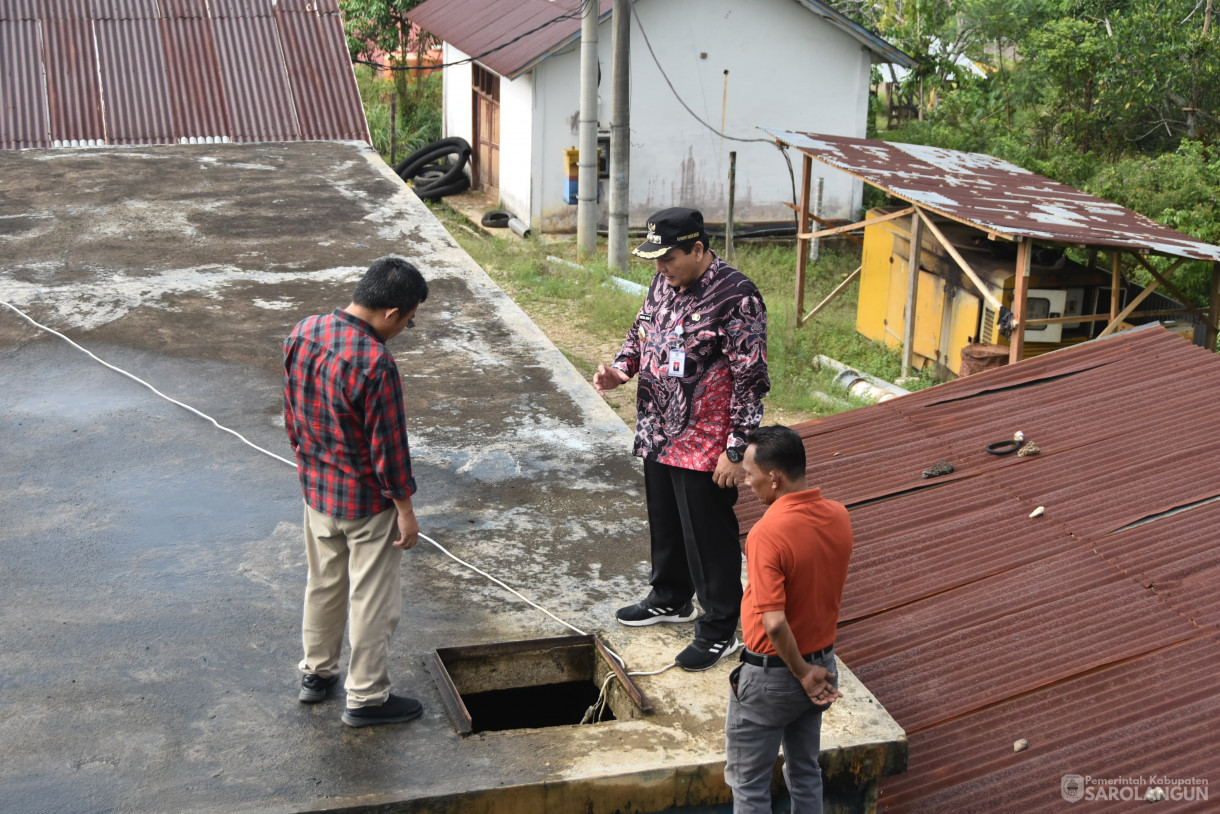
[{"x": 91, "y": 72}]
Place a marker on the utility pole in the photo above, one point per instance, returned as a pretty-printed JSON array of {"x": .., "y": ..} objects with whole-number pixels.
[
  {"x": 620, "y": 136},
  {"x": 586, "y": 197}
]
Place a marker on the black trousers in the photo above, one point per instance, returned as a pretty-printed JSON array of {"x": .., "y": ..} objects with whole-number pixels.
[{"x": 695, "y": 550}]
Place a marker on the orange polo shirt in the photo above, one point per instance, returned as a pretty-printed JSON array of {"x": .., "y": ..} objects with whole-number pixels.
[{"x": 796, "y": 561}]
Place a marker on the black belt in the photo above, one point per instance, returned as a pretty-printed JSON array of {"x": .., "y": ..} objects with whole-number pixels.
[{"x": 759, "y": 660}]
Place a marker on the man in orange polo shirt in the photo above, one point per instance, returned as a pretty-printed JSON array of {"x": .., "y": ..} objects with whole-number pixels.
[{"x": 796, "y": 565}]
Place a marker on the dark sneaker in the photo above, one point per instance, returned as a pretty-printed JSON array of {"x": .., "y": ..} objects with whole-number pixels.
[
  {"x": 704, "y": 654},
  {"x": 396, "y": 710},
  {"x": 315, "y": 688},
  {"x": 642, "y": 613}
]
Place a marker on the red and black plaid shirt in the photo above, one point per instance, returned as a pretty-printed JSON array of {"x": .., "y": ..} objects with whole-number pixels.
[{"x": 344, "y": 414}]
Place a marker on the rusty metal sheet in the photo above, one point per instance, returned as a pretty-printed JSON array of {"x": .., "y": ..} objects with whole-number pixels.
[
  {"x": 994, "y": 195},
  {"x": 320, "y": 71},
  {"x": 982, "y": 664},
  {"x": 1175, "y": 556},
  {"x": 968, "y": 619},
  {"x": 315, "y": 6},
  {"x": 478, "y": 26},
  {"x": 132, "y": 67},
  {"x": 125, "y": 10},
  {"x": 193, "y": 75},
  {"x": 94, "y": 72},
  {"x": 20, "y": 10},
  {"x": 923, "y": 544},
  {"x": 257, "y": 93},
  {"x": 65, "y": 10},
  {"x": 1152, "y": 715},
  {"x": 190, "y": 9},
  {"x": 74, "y": 100},
  {"x": 23, "y": 109},
  {"x": 241, "y": 8}
]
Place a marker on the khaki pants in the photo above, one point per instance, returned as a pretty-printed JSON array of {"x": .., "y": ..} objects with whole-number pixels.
[{"x": 352, "y": 562}]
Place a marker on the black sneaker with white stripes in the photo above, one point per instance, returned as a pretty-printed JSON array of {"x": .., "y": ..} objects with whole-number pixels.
[
  {"x": 642, "y": 613},
  {"x": 704, "y": 654}
]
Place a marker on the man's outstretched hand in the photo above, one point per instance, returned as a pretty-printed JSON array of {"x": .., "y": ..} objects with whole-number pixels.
[{"x": 608, "y": 378}]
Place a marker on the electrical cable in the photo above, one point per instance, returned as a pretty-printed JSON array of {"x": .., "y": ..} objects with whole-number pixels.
[
  {"x": 681, "y": 101},
  {"x": 781, "y": 147},
  {"x": 138, "y": 380},
  {"x": 293, "y": 464}
]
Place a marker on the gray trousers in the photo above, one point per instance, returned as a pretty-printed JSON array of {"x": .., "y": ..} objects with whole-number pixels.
[{"x": 768, "y": 708}]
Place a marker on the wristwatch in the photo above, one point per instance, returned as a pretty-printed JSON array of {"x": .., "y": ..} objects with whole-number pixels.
[{"x": 734, "y": 454}]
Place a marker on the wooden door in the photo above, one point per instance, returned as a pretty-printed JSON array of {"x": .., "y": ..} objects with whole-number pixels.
[{"x": 485, "y": 169}]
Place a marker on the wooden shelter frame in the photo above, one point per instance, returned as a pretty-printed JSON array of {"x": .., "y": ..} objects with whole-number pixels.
[{"x": 921, "y": 217}]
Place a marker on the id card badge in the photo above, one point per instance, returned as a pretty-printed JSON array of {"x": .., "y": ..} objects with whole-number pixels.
[{"x": 677, "y": 364}]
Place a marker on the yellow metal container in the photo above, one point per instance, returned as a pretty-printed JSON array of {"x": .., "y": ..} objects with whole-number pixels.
[{"x": 950, "y": 313}]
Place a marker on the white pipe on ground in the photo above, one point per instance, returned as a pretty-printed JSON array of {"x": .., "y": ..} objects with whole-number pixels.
[{"x": 861, "y": 385}]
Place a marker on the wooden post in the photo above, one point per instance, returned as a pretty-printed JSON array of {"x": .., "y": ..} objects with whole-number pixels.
[
  {"x": 1116, "y": 281},
  {"x": 913, "y": 253},
  {"x": 802, "y": 243},
  {"x": 815, "y": 248},
  {"x": 1016, "y": 343},
  {"x": 393, "y": 129},
  {"x": 1213, "y": 312}
]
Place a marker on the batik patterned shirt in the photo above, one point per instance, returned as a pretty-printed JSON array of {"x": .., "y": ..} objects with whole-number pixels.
[
  {"x": 720, "y": 323},
  {"x": 344, "y": 413}
]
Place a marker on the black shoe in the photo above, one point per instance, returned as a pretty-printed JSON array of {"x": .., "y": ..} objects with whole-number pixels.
[
  {"x": 704, "y": 654},
  {"x": 642, "y": 613},
  {"x": 396, "y": 710},
  {"x": 315, "y": 688}
]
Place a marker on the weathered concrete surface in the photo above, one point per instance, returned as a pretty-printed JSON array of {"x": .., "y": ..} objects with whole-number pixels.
[{"x": 151, "y": 565}]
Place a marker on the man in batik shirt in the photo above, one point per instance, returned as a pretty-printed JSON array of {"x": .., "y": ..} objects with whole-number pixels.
[{"x": 699, "y": 345}]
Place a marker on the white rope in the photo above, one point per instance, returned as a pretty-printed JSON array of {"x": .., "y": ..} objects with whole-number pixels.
[
  {"x": 138, "y": 380},
  {"x": 502, "y": 584},
  {"x": 293, "y": 464}
]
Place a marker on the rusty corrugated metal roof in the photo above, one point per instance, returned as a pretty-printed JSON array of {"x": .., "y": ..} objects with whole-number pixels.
[
  {"x": 1091, "y": 631},
  {"x": 994, "y": 195},
  {"x": 477, "y": 26},
  {"x": 94, "y": 72},
  {"x": 23, "y": 92}
]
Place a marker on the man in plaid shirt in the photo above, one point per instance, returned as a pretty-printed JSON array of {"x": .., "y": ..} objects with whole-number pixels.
[{"x": 344, "y": 414}]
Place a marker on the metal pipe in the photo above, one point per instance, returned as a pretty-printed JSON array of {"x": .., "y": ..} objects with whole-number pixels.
[
  {"x": 880, "y": 385},
  {"x": 519, "y": 227}
]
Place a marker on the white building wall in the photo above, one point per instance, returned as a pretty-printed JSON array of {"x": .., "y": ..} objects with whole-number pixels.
[
  {"x": 457, "y": 107},
  {"x": 517, "y": 145},
  {"x": 557, "y": 127},
  {"x": 787, "y": 68}
]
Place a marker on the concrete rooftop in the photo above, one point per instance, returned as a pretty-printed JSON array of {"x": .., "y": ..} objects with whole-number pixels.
[{"x": 151, "y": 565}]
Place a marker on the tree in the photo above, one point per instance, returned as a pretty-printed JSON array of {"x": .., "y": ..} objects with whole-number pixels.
[{"x": 379, "y": 30}]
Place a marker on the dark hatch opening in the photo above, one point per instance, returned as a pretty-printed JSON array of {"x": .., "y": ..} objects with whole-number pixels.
[
  {"x": 533, "y": 707},
  {"x": 533, "y": 684}
]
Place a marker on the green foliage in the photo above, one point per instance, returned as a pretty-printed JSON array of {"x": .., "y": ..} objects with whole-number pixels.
[
  {"x": 378, "y": 31},
  {"x": 374, "y": 26},
  {"x": 419, "y": 122},
  {"x": 1179, "y": 189}
]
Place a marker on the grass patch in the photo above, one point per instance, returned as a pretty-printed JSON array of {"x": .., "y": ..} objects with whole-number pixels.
[{"x": 583, "y": 301}]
